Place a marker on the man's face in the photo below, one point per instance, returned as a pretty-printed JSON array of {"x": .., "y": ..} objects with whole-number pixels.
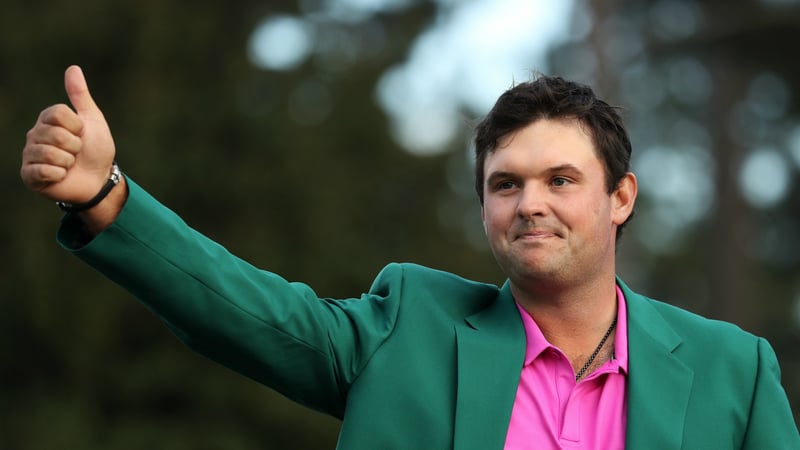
[{"x": 546, "y": 209}]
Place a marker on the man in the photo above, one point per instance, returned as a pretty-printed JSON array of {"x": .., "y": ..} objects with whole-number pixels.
[{"x": 564, "y": 355}]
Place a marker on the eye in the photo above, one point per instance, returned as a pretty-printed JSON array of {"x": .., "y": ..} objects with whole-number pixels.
[
  {"x": 560, "y": 181},
  {"x": 506, "y": 185}
]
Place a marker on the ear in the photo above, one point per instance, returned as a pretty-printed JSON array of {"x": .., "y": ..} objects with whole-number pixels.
[{"x": 623, "y": 198}]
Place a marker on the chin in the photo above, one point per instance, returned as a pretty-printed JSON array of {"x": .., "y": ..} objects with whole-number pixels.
[{"x": 534, "y": 273}]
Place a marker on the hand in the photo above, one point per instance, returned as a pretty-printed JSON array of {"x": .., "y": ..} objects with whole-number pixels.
[{"x": 68, "y": 154}]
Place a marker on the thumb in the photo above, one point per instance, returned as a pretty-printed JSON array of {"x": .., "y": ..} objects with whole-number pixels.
[{"x": 78, "y": 92}]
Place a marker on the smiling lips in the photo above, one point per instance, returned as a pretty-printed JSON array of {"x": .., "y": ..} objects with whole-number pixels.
[{"x": 535, "y": 234}]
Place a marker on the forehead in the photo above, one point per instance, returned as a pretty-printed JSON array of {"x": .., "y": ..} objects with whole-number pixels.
[{"x": 543, "y": 144}]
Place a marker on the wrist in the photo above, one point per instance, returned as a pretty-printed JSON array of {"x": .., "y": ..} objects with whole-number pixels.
[
  {"x": 106, "y": 212},
  {"x": 113, "y": 179}
]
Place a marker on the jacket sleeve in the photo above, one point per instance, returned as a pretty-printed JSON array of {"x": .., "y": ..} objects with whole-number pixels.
[
  {"x": 279, "y": 333},
  {"x": 771, "y": 424}
]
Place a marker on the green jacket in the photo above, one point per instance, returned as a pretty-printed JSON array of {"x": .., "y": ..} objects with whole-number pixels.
[{"x": 425, "y": 359}]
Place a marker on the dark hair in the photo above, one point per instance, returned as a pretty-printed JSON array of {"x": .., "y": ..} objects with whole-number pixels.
[{"x": 556, "y": 98}]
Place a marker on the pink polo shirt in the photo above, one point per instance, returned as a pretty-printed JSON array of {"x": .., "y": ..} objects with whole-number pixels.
[{"x": 551, "y": 411}]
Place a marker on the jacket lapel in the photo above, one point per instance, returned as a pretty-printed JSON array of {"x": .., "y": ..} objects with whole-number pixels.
[
  {"x": 659, "y": 384},
  {"x": 491, "y": 351}
]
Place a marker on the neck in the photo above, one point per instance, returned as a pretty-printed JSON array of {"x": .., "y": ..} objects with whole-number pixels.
[{"x": 573, "y": 320}]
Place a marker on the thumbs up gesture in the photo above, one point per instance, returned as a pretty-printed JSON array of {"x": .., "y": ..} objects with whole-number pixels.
[{"x": 69, "y": 151}]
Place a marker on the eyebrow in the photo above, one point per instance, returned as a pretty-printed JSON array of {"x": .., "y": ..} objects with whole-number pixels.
[
  {"x": 500, "y": 175},
  {"x": 562, "y": 168}
]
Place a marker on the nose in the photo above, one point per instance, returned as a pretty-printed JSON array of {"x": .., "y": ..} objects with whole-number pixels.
[{"x": 532, "y": 202}]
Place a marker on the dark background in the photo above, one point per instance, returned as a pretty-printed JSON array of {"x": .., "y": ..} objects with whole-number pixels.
[{"x": 329, "y": 203}]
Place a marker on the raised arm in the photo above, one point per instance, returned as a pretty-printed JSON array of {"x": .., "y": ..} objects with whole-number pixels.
[
  {"x": 255, "y": 322},
  {"x": 69, "y": 153}
]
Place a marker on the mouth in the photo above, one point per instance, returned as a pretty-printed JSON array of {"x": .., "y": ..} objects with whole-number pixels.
[{"x": 535, "y": 235}]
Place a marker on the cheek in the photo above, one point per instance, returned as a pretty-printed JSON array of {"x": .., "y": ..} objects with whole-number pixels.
[
  {"x": 489, "y": 215},
  {"x": 601, "y": 211},
  {"x": 583, "y": 213},
  {"x": 490, "y": 225},
  {"x": 494, "y": 224},
  {"x": 601, "y": 218}
]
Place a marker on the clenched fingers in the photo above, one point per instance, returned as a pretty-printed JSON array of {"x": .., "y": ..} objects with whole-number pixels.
[
  {"x": 47, "y": 154},
  {"x": 43, "y": 165},
  {"x": 51, "y": 148},
  {"x": 38, "y": 176},
  {"x": 62, "y": 116},
  {"x": 56, "y": 136}
]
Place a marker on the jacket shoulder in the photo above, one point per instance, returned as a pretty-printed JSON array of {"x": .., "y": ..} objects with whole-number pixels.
[
  {"x": 425, "y": 287},
  {"x": 734, "y": 374},
  {"x": 707, "y": 345},
  {"x": 693, "y": 325}
]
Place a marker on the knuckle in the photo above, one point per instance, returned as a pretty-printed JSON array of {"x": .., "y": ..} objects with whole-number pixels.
[
  {"x": 53, "y": 135},
  {"x": 34, "y": 134},
  {"x": 46, "y": 114},
  {"x": 59, "y": 137},
  {"x": 29, "y": 174},
  {"x": 55, "y": 114},
  {"x": 32, "y": 152},
  {"x": 29, "y": 153},
  {"x": 42, "y": 174}
]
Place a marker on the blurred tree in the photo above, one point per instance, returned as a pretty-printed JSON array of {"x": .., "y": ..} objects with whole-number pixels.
[{"x": 707, "y": 88}]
